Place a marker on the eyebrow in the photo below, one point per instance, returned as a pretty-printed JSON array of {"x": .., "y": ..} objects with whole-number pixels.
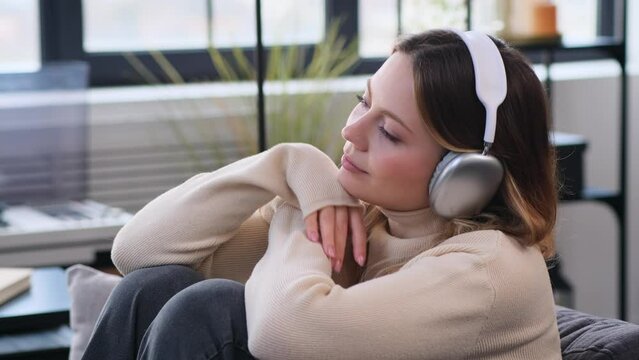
[{"x": 384, "y": 111}]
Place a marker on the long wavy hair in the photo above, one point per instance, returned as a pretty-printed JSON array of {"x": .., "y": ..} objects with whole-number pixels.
[{"x": 525, "y": 205}]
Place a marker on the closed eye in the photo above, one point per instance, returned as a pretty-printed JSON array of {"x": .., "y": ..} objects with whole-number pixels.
[
  {"x": 361, "y": 100},
  {"x": 387, "y": 134}
]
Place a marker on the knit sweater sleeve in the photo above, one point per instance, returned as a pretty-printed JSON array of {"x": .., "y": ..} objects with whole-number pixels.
[
  {"x": 187, "y": 224},
  {"x": 432, "y": 308}
]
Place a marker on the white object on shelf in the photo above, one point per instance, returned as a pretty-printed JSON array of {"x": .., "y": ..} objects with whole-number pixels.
[{"x": 59, "y": 233}]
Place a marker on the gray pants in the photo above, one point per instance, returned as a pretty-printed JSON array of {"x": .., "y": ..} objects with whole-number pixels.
[{"x": 171, "y": 312}]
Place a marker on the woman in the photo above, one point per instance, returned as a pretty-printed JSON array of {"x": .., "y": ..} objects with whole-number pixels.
[{"x": 416, "y": 286}]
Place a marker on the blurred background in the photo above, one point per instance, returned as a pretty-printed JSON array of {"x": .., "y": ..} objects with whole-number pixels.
[{"x": 139, "y": 95}]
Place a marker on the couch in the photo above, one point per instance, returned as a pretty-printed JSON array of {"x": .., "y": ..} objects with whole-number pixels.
[{"x": 583, "y": 336}]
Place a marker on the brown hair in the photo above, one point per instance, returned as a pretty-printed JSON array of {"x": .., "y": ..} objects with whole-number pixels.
[{"x": 525, "y": 205}]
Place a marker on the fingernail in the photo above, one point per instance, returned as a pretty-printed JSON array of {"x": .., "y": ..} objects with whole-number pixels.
[
  {"x": 360, "y": 260},
  {"x": 331, "y": 251},
  {"x": 314, "y": 236},
  {"x": 338, "y": 266}
]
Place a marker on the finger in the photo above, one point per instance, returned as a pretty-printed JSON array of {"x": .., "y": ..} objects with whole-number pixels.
[
  {"x": 341, "y": 231},
  {"x": 358, "y": 234},
  {"x": 311, "y": 227},
  {"x": 327, "y": 230}
]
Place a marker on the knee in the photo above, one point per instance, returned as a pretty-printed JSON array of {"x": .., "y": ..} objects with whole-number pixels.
[
  {"x": 154, "y": 281},
  {"x": 203, "y": 319},
  {"x": 215, "y": 302}
]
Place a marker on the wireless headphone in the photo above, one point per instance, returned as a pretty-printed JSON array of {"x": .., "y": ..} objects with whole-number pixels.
[{"x": 464, "y": 183}]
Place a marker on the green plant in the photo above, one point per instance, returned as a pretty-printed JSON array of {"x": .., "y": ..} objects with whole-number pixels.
[{"x": 292, "y": 116}]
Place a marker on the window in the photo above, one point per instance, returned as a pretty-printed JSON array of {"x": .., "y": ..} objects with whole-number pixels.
[
  {"x": 99, "y": 31},
  {"x": 379, "y": 22},
  {"x": 182, "y": 30},
  {"x": 138, "y": 25},
  {"x": 633, "y": 35},
  {"x": 121, "y": 25},
  {"x": 420, "y": 15},
  {"x": 577, "y": 19},
  {"x": 19, "y": 36},
  {"x": 378, "y": 19},
  {"x": 378, "y": 27},
  {"x": 285, "y": 22}
]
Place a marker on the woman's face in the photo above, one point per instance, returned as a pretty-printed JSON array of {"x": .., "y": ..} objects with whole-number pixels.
[{"x": 389, "y": 156}]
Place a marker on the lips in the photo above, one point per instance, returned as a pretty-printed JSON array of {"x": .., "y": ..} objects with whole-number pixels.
[{"x": 348, "y": 164}]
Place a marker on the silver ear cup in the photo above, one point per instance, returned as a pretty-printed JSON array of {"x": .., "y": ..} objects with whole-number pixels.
[
  {"x": 463, "y": 184},
  {"x": 450, "y": 156}
]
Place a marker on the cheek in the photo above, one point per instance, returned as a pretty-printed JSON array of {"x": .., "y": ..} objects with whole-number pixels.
[
  {"x": 405, "y": 171},
  {"x": 400, "y": 182}
]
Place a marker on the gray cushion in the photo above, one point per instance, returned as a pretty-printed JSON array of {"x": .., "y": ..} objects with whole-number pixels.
[
  {"x": 589, "y": 337},
  {"x": 88, "y": 290}
]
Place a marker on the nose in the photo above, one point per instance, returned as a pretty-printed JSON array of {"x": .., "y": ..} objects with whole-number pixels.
[{"x": 355, "y": 133}]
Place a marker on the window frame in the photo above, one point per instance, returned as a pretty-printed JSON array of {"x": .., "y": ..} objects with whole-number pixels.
[{"x": 62, "y": 39}]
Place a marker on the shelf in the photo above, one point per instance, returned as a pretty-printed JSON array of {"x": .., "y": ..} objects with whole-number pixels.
[
  {"x": 603, "y": 47},
  {"x": 601, "y": 43}
]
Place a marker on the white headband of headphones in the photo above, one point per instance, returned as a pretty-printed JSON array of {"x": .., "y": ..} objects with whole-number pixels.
[{"x": 490, "y": 77}]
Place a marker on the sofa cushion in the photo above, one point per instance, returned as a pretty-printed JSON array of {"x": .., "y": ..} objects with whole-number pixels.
[
  {"x": 88, "y": 290},
  {"x": 584, "y": 336}
]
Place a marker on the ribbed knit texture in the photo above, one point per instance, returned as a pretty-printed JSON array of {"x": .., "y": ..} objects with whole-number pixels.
[
  {"x": 188, "y": 223},
  {"x": 479, "y": 295}
]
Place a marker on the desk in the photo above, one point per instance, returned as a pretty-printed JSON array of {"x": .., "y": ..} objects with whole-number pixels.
[{"x": 34, "y": 324}]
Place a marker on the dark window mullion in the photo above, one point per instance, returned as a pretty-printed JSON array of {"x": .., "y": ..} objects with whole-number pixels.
[
  {"x": 606, "y": 18},
  {"x": 193, "y": 65},
  {"x": 347, "y": 11},
  {"x": 61, "y": 30}
]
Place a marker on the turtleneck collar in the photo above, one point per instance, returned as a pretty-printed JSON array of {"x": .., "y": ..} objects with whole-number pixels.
[
  {"x": 409, "y": 233},
  {"x": 413, "y": 224}
]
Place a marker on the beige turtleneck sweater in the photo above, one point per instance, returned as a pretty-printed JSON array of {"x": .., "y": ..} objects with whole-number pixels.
[{"x": 479, "y": 295}]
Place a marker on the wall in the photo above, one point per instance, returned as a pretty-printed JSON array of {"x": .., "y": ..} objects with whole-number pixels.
[
  {"x": 633, "y": 197},
  {"x": 587, "y": 235},
  {"x": 587, "y": 231}
]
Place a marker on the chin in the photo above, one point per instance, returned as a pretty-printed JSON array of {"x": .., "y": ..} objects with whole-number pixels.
[
  {"x": 352, "y": 186},
  {"x": 348, "y": 183}
]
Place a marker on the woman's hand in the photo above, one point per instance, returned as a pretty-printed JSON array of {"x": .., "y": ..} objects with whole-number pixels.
[{"x": 335, "y": 222}]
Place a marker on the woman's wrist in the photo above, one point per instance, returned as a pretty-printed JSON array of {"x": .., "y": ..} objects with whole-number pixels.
[{"x": 312, "y": 176}]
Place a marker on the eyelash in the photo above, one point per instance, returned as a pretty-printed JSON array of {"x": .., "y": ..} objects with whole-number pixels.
[
  {"x": 381, "y": 129},
  {"x": 361, "y": 99},
  {"x": 387, "y": 134}
]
